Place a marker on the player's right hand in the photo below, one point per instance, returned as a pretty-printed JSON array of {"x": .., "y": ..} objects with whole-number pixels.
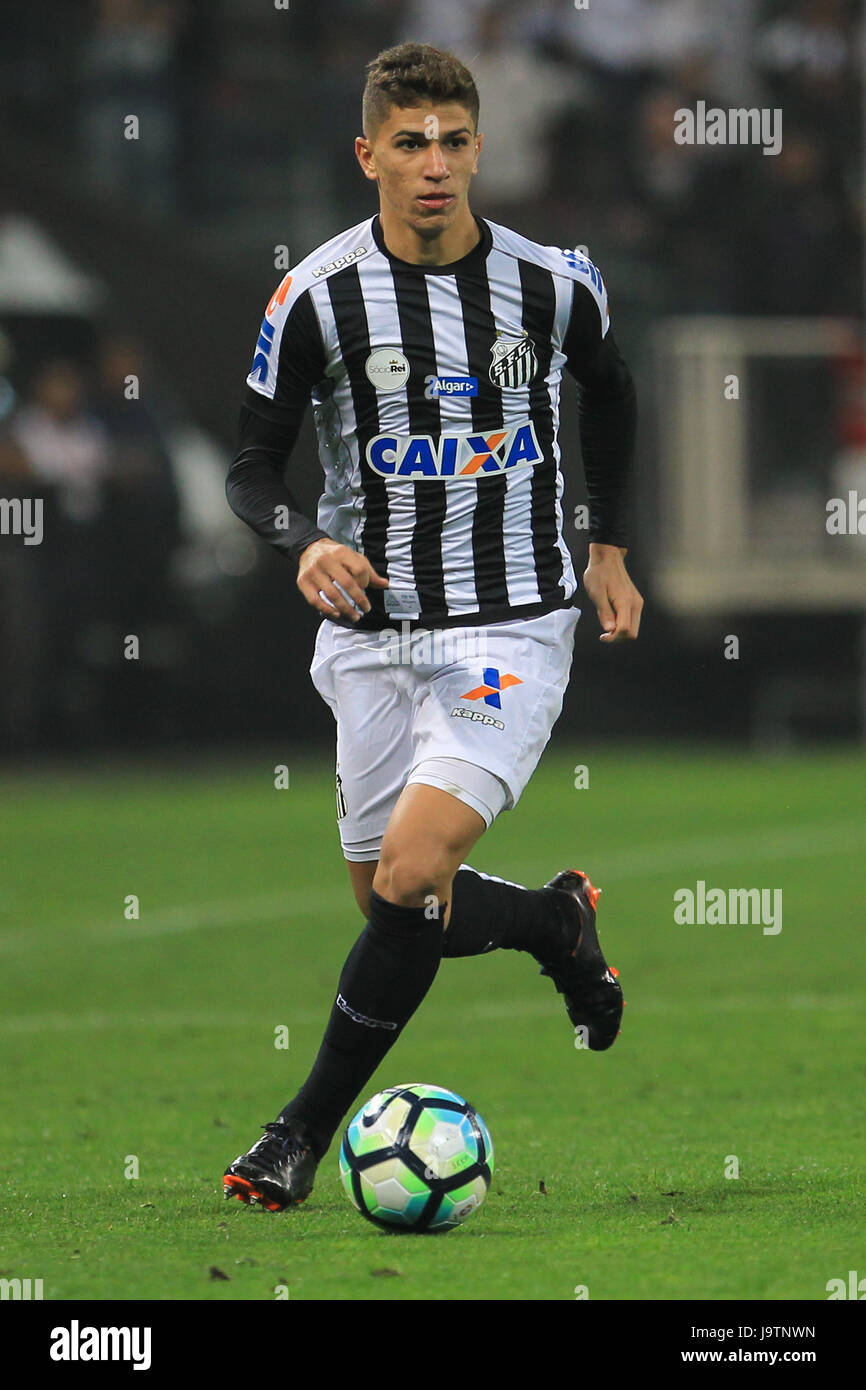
[{"x": 333, "y": 577}]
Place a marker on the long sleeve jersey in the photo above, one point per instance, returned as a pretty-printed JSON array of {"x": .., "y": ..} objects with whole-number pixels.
[{"x": 435, "y": 391}]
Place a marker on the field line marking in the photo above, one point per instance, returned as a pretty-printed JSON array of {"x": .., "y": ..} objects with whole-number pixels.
[
  {"x": 692, "y": 857},
  {"x": 170, "y": 921},
  {"x": 95, "y": 1021}
]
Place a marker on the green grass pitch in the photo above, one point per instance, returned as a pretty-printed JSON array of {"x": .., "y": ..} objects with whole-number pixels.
[{"x": 149, "y": 1045}]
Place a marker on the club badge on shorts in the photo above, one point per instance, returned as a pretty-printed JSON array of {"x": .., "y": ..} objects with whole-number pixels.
[{"x": 514, "y": 361}]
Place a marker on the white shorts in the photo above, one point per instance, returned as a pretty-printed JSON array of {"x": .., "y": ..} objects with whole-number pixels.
[{"x": 485, "y": 698}]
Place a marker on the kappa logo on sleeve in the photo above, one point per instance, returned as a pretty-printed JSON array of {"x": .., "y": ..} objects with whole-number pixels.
[
  {"x": 341, "y": 261},
  {"x": 420, "y": 456}
]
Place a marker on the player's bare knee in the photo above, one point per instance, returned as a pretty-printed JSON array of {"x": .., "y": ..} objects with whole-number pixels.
[
  {"x": 413, "y": 880},
  {"x": 408, "y": 887},
  {"x": 361, "y": 874}
]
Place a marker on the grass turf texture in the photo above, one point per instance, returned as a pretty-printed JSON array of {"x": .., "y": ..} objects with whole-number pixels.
[{"x": 155, "y": 1038}]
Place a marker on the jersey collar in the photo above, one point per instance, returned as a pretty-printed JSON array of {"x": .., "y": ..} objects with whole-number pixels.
[{"x": 476, "y": 256}]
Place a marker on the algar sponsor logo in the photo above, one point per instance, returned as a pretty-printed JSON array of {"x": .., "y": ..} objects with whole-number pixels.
[
  {"x": 419, "y": 456},
  {"x": 450, "y": 386}
]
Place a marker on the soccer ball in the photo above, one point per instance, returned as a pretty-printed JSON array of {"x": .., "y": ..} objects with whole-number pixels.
[{"x": 416, "y": 1158}]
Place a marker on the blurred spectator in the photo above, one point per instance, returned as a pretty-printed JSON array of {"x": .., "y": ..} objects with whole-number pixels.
[
  {"x": 624, "y": 46},
  {"x": 247, "y": 115},
  {"x": 809, "y": 59},
  {"x": 683, "y": 204},
  {"x": 521, "y": 93},
  {"x": 103, "y": 569},
  {"x": 62, "y": 454},
  {"x": 803, "y": 254},
  {"x": 450, "y": 24},
  {"x": 65, "y": 447},
  {"x": 612, "y": 45},
  {"x": 20, "y": 611},
  {"x": 127, "y": 68},
  {"x": 142, "y": 509}
]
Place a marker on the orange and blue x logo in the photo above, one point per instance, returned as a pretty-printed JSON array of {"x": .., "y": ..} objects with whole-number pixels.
[{"x": 493, "y": 684}]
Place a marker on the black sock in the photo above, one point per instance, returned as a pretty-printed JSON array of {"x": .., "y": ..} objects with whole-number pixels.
[
  {"x": 488, "y": 914},
  {"x": 388, "y": 971}
]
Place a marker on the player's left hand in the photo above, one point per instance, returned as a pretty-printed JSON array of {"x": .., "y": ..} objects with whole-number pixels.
[{"x": 616, "y": 599}]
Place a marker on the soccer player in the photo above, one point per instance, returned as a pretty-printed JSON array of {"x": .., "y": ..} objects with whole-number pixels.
[{"x": 432, "y": 344}]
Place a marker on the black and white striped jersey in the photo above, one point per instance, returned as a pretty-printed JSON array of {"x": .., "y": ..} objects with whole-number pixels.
[{"x": 436, "y": 398}]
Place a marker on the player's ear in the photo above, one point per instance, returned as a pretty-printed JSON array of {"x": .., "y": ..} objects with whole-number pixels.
[
  {"x": 365, "y": 157},
  {"x": 479, "y": 141}
]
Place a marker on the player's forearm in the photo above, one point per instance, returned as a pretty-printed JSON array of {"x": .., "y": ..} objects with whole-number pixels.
[
  {"x": 608, "y": 426},
  {"x": 256, "y": 490},
  {"x": 607, "y": 411},
  {"x": 259, "y": 497}
]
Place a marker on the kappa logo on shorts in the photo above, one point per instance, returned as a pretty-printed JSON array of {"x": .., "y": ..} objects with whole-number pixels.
[
  {"x": 490, "y": 690},
  {"x": 477, "y": 717}
]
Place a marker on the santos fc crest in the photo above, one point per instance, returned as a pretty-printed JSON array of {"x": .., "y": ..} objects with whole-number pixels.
[{"x": 514, "y": 361}]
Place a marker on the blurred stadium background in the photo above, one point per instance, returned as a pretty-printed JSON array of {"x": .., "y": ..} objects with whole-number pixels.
[
  {"x": 153, "y": 258},
  {"x": 737, "y": 291}
]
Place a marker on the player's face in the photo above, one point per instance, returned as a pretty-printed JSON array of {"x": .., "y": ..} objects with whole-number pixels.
[{"x": 423, "y": 159}]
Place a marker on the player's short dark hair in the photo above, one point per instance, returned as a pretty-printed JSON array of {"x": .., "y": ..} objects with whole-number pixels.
[{"x": 410, "y": 75}]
